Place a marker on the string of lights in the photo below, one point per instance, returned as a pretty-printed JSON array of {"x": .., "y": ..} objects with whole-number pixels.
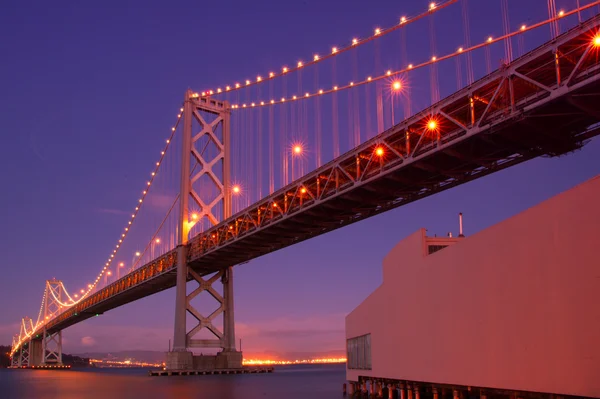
[
  {"x": 154, "y": 236},
  {"x": 410, "y": 67},
  {"x": 90, "y": 287},
  {"x": 335, "y": 51},
  {"x": 85, "y": 292}
]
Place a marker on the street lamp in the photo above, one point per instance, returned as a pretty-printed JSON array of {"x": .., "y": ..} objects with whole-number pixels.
[
  {"x": 122, "y": 264},
  {"x": 155, "y": 242},
  {"x": 296, "y": 151},
  {"x": 396, "y": 88},
  {"x": 106, "y": 275}
]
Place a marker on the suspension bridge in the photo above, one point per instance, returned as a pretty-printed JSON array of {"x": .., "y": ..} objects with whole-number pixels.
[{"x": 260, "y": 164}]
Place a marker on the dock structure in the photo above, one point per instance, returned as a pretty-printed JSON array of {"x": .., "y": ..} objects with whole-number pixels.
[
  {"x": 243, "y": 370},
  {"x": 509, "y": 312}
]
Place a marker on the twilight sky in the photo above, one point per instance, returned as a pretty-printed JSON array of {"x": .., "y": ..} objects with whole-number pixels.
[{"x": 88, "y": 92}]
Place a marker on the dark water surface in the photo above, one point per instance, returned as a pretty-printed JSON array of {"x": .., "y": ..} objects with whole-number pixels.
[{"x": 286, "y": 382}]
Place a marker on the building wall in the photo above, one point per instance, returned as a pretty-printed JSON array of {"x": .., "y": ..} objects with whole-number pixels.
[{"x": 516, "y": 306}]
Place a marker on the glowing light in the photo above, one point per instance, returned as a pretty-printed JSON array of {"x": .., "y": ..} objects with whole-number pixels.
[
  {"x": 262, "y": 103},
  {"x": 410, "y": 66},
  {"x": 489, "y": 39},
  {"x": 271, "y": 74},
  {"x": 247, "y": 82},
  {"x": 432, "y": 124},
  {"x": 210, "y": 92},
  {"x": 157, "y": 241},
  {"x": 377, "y": 31},
  {"x": 297, "y": 149},
  {"x": 121, "y": 264},
  {"x": 388, "y": 73},
  {"x": 561, "y": 13},
  {"x": 285, "y": 69},
  {"x": 82, "y": 291},
  {"x": 109, "y": 273},
  {"x": 237, "y": 85},
  {"x": 253, "y": 104},
  {"x": 354, "y": 41},
  {"x": 402, "y": 20},
  {"x": 434, "y": 58},
  {"x": 460, "y": 49},
  {"x": 351, "y": 83},
  {"x": 369, "y": 78},
  {"x": 227, "y": 88},
  {"x": 236, "y": 189},
  {"x": 303, "y": 190},
  {"x": 306, "y": 95},
  {"x": 293, "y": 97},
  {"x": 596, "y": 40},
  {"x": 137, "y": 254},
  {"x": 272, "y": 101},
  {"x": 523, "y": 27},
  {"x": 335, "y": 87},
  {"x": 320, "y": 91},
  {"x": 258, "y": 78},
  {"x": 397, "y": 85},
  {"x": 316, "y": 57},
  {"x": 334, "y": 50},
  {"x": 76, "y": 296},
  {"x": 300, "y": 64},
  {"x": 218, "y": 90},
  {"x": 379, "y": 151},
  {"x": 282, "y": 99},
  {"x": 194, "y": 216},
  {"x": 431, "y": 5}
]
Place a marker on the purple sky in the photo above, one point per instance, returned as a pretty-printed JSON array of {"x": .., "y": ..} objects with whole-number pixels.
[{"x": 87, "y": 92}]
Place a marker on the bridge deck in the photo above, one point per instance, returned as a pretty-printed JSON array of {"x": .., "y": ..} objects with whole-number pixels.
[{"x": 538, "y": 105}]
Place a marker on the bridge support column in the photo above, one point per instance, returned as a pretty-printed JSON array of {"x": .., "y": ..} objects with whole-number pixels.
[
  {"x": 212, "y": 120},
  {"x": 52, "y": 348},
  {"x": 24, "y": 355},
  {"x": 14, "y": 359},
  {"x": 36, "y": 352}
]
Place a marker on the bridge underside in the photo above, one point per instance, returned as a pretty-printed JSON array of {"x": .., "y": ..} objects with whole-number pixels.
[
  {"x": 542, "y": 132},
  {"x": 543, "y": 104}
]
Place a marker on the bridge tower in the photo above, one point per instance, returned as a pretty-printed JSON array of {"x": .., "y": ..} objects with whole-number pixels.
[
  {"x": 52, "y": 341},
  {"x": 16, "y": 356},
  {"x": 212, "y": 118},
  {"x": 24, "y": 353}
]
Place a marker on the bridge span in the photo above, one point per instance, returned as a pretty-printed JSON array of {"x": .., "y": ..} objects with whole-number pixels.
[{"x": 544, "y": 103}]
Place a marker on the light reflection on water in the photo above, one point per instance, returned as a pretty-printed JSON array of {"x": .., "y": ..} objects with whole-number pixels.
[{"x": 289, "y": 382}]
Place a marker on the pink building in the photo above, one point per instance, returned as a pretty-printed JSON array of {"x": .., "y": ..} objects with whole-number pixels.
[{"x": 515, "y": 307}]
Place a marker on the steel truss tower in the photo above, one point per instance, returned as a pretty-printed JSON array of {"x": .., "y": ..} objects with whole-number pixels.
[
  {"x": 52, "y": 342},
  {"x": 211, "y": 116}
]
